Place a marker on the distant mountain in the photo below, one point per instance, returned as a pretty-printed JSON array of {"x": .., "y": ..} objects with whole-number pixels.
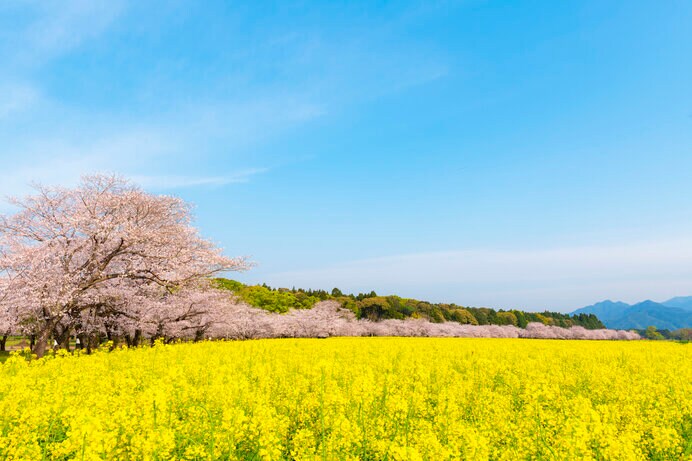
[
  {"x": 681, "y": 302},
  {"x": 607, "y": 311},
  {"x": 670, "y": 315},
  {"x": 651, "y": 313}
]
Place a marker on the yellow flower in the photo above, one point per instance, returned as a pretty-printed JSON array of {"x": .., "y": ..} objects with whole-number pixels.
[{"x": 351, "y": 399}]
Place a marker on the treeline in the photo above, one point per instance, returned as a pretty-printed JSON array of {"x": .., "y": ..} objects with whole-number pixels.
[
  {"x": 370, "y": 306},
  {"x": 271, "y": 299},
  {"x": 681, "y": 334}
]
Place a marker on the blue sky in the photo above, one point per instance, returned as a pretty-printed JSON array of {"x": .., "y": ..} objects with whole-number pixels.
[{"x": 510, "y": 154}]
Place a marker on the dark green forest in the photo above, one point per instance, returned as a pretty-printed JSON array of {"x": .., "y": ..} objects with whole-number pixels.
[{"x": 373, "y": 307}]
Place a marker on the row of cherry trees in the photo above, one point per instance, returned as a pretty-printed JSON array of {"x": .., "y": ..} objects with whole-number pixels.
[
  {"x": 328, "y": 318},
  {"x": 107, "y": 258}
]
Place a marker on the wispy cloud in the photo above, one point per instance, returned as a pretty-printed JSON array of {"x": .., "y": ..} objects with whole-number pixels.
[
  {"x": 66, "y": 139},
  {"x": 61, "y": 25},
  {"x": 558, "y": 278},
  {"x": 62, "y": 160},
  {"x": 177, "y": 181},
  {"x": 17, "y": 98},
  {"x": 74, "y": 143}
]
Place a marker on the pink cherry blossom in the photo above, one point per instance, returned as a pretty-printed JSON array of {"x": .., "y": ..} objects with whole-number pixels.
[{"x": 105, "y": 255}]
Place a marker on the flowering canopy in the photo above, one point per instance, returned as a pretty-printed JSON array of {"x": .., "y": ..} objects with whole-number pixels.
[{"x": 103, "y": 254}]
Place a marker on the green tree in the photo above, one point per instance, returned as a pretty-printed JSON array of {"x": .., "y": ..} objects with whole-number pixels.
[
  {"x": 463, "y": 316},
  {"x": 683, "y": 334},
  {"x": 507, "y": 318},
  {"x": 374, "y": 308},
  {"x": 480, "y": 316},
  {"x": 521, "y": 319},
  {"x": 652, "y": 333}
]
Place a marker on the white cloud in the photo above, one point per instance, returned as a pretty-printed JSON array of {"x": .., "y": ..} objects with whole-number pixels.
[{"x": 559, "y": 279}]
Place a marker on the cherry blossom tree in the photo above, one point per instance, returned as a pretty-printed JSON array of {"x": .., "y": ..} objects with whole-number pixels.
[
  {"x": 105, "y": 255},
  {"x": 328, "y": 318}
]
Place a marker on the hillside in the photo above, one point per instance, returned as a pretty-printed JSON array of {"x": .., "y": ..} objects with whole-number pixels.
[
  {"x": 673, "y": 314},
  {"x": 373, "y": 307}
]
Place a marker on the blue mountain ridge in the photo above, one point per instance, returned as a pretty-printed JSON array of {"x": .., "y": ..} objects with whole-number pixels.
[
  {"x": 671, "y": 315},
  {"x": 682, "y": 302}
]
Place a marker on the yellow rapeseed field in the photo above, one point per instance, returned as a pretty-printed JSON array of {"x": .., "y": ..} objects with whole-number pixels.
[{"x": 353, "y": 398}]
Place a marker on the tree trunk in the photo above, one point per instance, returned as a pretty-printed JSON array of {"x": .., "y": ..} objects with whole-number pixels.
[
  {"x": 3, "y": 342},
  {"x": 137, "y": 340},
  {"x": 42, "y": 339},
  {"x": 63, "y": 338},
  {"x": 82, "y": 340},
  {"x": 93, "y": 341}
]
